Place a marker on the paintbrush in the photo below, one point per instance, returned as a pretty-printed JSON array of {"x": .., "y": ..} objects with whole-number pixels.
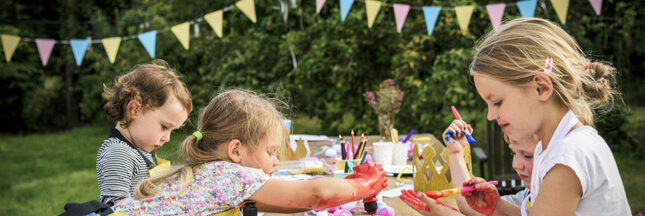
[{"x": 453, "y": 191}]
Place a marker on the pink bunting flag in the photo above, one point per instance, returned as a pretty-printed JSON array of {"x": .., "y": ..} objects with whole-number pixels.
[
  {"x": 45, "y": 47},
  {"x": 400, "y": 14},
  {"x": 495, "y": 13},
  {"x": 596, "y": 4},
  {"x": 319, "y": 5}
]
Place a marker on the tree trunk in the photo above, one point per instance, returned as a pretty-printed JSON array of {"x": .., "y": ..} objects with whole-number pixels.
[{"x": 72, "y": 114}]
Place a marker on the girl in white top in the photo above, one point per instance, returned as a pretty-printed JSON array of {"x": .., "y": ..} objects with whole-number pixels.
[{"x": 574, "y": 171}]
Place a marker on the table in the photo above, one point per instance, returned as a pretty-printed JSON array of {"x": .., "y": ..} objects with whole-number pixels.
[{"x": 400, "y": 208}]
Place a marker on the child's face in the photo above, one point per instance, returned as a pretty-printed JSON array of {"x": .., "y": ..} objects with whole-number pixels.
[
  {"x": 151, "y": 129},
  {"x": 516, "y": 109},
  {"x": 265, "y": 156},
  {"x": 523, "y": 158}
]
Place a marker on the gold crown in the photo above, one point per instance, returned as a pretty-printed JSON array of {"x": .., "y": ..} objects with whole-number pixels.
[
  {"x": 426, "y": 177},
  {"x": 289, "y": 154}
]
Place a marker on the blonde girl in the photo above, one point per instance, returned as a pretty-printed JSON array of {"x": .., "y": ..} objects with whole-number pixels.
[
  {"x": 232, "y": 156},
  {"x": 574, "y": 171}
]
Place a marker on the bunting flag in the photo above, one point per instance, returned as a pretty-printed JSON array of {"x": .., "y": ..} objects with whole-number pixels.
[
  {"x": 45, "y": 47},
  {"x": 182, "y": 32},
  {"x": 527, "y": 8},
  {"x": 372, "y": 7},
  {"x": 596, "y": 4},
  {"x": 319, "y": 5},
  {"x": 400, "y": 15},
  {"x": 215, "y": 20},
  {"x": 561, "y": 7},
  {"x": 495, "y": 13},
  {"x": 111, "y": 46},
  {"x": 345, "y": 5},
  {"x": 9, "y": 44},
  {"x": 79, "y": 46},
  {"x": 463, "y": 16},
  {"x": 431, "y": 13},
  {"x": 248, "y": 8},
  {"x": 149, "y": 40}
]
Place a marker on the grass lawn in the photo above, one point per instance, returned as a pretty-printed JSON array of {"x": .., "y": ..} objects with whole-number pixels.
[{"x": 43, "y": 172}]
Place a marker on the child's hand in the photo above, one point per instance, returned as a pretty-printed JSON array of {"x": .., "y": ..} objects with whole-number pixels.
[
  {"x": 426, "y": 205},
  {"x": 370, "y": 179},
  {"x": 454, "y": 136},
  {"x": 485, "y": 197}
]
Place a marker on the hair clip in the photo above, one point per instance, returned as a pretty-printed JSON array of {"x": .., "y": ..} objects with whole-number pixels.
[
  {"x": 588, "y": 65},
  {"x": 548, "y": 67},
  {"x": 601, "y": 80}
]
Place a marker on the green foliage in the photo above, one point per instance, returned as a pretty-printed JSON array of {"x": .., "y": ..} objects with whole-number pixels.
[{"x": 336, "y": 61}]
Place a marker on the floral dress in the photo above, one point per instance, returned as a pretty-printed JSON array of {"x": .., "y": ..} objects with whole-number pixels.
[{"x": 216, "y": 187}]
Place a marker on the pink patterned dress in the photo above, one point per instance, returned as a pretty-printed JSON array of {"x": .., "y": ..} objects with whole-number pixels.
[{"x": 216, "y": 187}]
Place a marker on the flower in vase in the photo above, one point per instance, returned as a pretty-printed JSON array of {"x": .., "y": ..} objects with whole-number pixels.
[{"x": 386, "y": 103}]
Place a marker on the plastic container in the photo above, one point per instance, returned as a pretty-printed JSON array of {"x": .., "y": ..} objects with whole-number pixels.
[{"x": 300, "y": 166}]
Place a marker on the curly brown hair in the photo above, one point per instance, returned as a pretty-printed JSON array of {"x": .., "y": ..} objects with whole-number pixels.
[{"x": 150, "y": 85}]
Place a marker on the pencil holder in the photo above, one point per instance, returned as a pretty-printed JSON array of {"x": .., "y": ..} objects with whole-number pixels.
[
  {"x": 383, "y": 153},
  {"x": 400, "y": 154},
  {"x": 340, "y": 164}
]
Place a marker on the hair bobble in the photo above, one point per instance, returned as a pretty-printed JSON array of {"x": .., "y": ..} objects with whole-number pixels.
[
  {"x": 548, "y": 67},
  {"x": 198, "y": 135}
]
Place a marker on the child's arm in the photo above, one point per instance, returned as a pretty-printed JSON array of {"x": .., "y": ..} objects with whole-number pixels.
[
  {"x": 559, "y": 193},
  {"x": 115, "y": 174},
  {"x": 455, "y": 142},
  {"x": 367, "y": 180}
]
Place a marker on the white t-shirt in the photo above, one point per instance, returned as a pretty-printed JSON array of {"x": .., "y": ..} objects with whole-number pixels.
[
  {"x": 589, "y": 156},
  {"x": 520, "y": 199}
]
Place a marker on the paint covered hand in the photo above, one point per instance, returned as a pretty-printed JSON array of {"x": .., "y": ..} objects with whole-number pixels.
[
  {"x": 454, "y": 136},
  {"x": 426, "y": 205},
  {"x": 485, "y": 197},
  {"x": 368, "y": 179}
]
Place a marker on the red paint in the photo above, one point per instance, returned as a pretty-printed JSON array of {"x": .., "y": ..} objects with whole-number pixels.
[
  {"x": 434, "y": 194},
  {"x": 485, "y": 197},
  {"x": 367, "y": 180},
  {"x": 409, "y": 197}
]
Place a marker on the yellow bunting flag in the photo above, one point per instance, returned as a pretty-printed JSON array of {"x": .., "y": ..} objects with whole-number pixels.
[
  {"x": 561, "y": 7},
  {"x": 9, "y": 44},
  {"x": 463, "y": 16},
  {"x": 111, "y": 46},
  {"x": 372, "y": 7},
  {"x": 215, "y": 19},
  {"x": 247, "y": 7},
  {"x": 182, "y": 32}
]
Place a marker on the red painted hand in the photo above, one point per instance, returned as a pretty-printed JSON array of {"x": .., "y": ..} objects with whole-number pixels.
[
  {"x": 410, "y": 198},
  {"x": 485, "y": 197},
  {"x": 369, "y": 179}
]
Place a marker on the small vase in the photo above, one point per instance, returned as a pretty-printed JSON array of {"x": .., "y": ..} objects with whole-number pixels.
[{"x": 386, "y": 124}]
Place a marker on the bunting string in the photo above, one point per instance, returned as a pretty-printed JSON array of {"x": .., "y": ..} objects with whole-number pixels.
[{"x": 215, "y": 20}]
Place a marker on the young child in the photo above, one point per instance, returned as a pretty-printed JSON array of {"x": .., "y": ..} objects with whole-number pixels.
[
  {"x": 232, "y": 157},
  {"x": 522, "y": 163},
  {"x": 147, "y": 104},
  {"x": 574, "y": 170}
]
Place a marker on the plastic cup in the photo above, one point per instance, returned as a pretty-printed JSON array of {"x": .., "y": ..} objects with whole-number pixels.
[
  {"x": 400, "y": 154},
  {"x": 383, "y": 153}
]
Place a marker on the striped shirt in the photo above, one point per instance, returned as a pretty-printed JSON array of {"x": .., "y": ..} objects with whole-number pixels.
[{"x": 120, "y": 167}]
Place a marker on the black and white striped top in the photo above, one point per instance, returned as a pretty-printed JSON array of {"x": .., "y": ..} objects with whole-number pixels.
[{"x": 120, "y": 167}]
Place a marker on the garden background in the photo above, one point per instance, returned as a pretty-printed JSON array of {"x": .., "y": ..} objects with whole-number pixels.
[{"x": 321, "y": 65}]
